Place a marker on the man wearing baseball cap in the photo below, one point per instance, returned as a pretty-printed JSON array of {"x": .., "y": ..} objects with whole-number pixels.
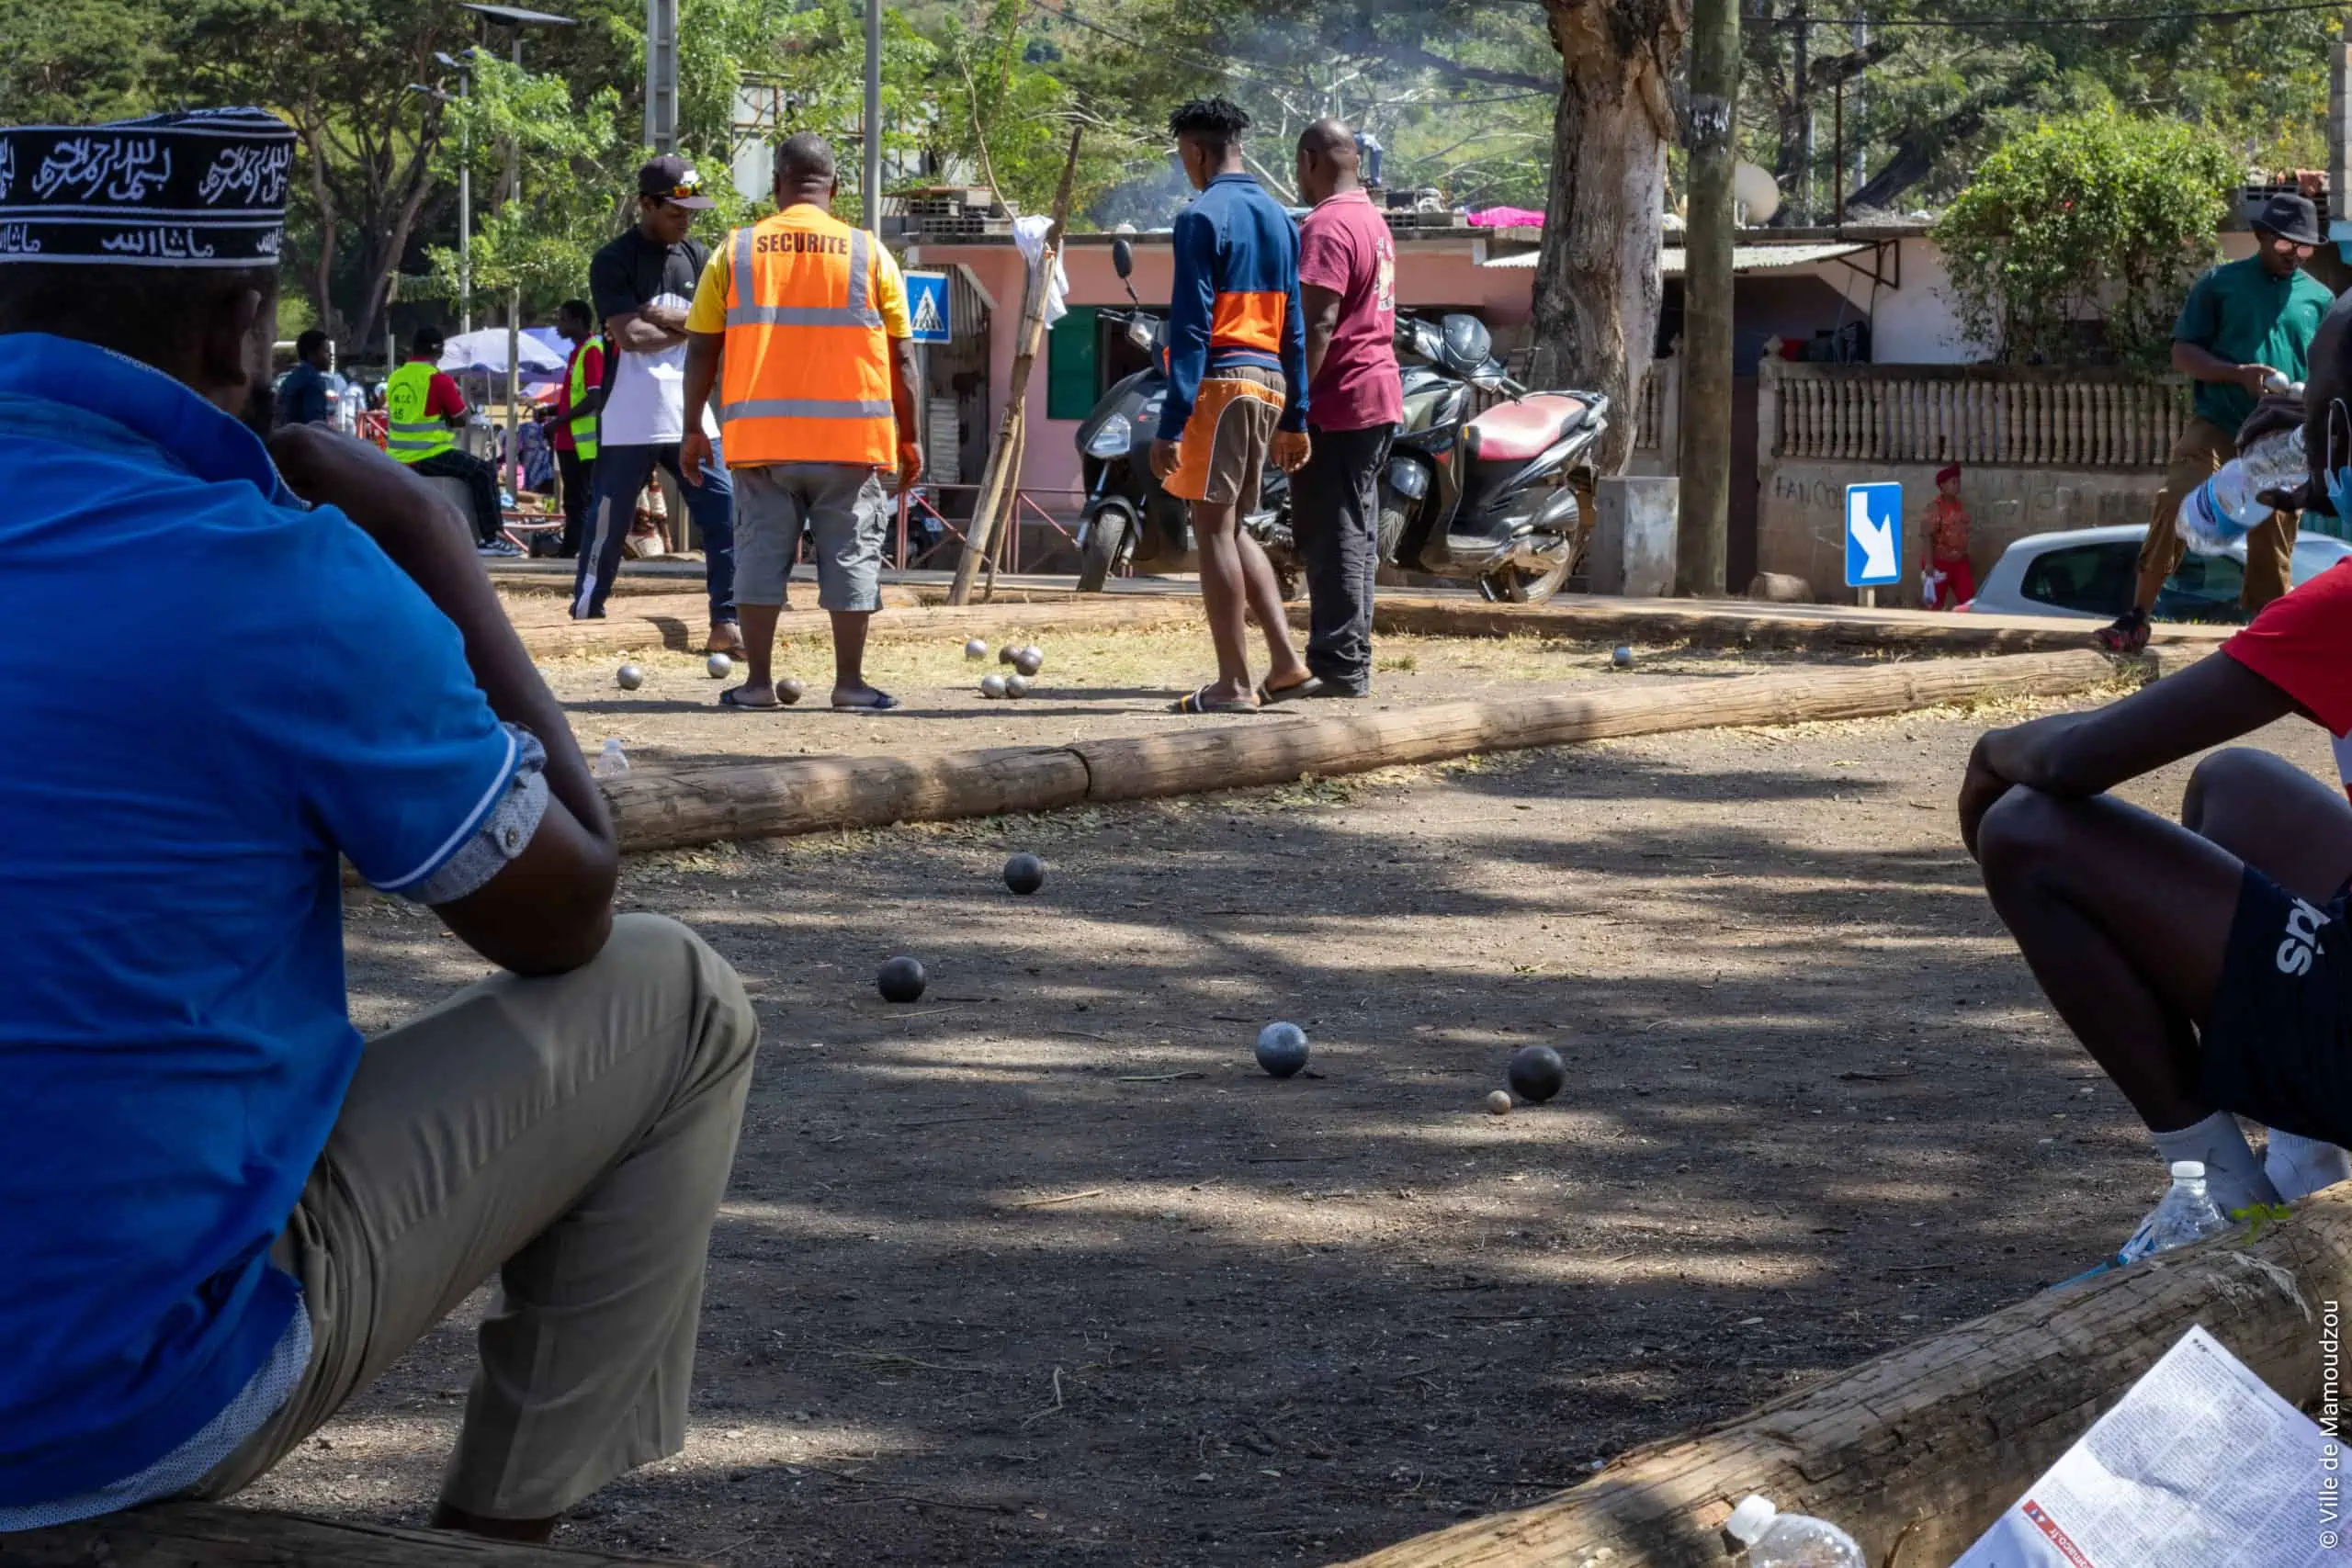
[
  {"x": 224, "y": 1212},
  {"x": 641, "y": 284},
  {"x": 2243, "y": 324}
]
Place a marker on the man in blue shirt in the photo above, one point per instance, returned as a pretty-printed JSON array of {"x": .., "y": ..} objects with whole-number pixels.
[
  {"x": 303, "y": 398},
  {"x": 1237, "y": 392},
  {"x": 223, "y": 1213}
]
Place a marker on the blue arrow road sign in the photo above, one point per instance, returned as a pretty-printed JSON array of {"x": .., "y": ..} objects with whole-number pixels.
[
  {"x": 927, "y": 306},
  {"x": 1873, "y": 534}
]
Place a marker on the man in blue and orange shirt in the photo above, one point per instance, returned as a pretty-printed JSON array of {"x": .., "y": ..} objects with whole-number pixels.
[{"x": 1237, "y": 391}]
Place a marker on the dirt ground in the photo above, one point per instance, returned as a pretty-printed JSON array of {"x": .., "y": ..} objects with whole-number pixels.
[
  {"x": 1042, "y": 1270},
  {"x": 1093, "y": 684}
]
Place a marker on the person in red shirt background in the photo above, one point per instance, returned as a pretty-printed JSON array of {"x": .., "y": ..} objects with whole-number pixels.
[
  {"x": 1347, "y": 289},
  {"x": 2206, "y": 965},
  {"x": 575, "y": 417}
]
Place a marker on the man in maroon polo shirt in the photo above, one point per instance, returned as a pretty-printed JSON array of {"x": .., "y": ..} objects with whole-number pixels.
[{"x": 1347, "y": 285}]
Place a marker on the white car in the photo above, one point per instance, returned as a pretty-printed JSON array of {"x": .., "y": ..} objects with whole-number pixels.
[{"x": 2089, "y": 573}]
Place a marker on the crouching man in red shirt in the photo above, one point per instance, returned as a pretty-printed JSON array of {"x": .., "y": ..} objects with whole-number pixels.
[{"x": 2206, "y": 965}]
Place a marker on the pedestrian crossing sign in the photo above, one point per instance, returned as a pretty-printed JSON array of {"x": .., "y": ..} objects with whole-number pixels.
[{"x": 927, "y": 306}]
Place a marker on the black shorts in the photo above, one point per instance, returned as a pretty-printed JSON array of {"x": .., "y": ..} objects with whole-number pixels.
[{"x": 2279, "y": 1048}]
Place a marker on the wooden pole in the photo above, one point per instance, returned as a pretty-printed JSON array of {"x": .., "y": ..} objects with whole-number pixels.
[
  {"x": 1703, "y": 538},
  {"x": 1002, "y": 472},
  {"x": 1916, "y": 1452},
  {"x": 654, "y": 809}
]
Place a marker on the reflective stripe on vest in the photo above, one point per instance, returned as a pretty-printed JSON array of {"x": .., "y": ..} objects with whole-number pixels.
[
  {"x": 804, "y": 379},
  {"x": 583, "y": 432},
  {"x": 411, "y": 434}
]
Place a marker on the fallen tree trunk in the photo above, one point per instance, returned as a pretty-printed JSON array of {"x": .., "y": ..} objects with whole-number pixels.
[
  {"x": 1916, "y": 1452},
  {"x": 680, "y": 621},
  {"x": 655, "y": 809},
  {"x": 1745, "y": 623},
  {"x": 197, "y": 1535},
  {"x": 1187, "y": 761},
  {"x": 816, "y": 795}
]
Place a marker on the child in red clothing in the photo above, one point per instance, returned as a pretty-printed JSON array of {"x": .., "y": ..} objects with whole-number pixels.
[{"x": 1949, "y": 583}]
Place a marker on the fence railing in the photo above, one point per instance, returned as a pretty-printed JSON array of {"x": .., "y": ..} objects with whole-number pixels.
[{"x": 1968, "y": 413}]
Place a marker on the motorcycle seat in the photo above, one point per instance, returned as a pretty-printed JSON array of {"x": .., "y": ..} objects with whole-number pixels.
[{"x": 1520, "y": 429}]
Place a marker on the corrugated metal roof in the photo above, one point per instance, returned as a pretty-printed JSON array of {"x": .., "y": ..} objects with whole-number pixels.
[{"x": 1744, "y": 258}]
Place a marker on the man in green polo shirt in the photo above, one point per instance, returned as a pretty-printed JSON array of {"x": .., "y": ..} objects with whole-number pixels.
[{"x": 2243, "y": 323}]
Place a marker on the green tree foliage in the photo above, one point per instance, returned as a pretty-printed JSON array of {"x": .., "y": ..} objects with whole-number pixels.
[
  {"x": 567, "y": 156},
  {"x": 64, "y": 61},
  {"x": 2092, "y": 217},
  {"x": 1923, "y": 103}
]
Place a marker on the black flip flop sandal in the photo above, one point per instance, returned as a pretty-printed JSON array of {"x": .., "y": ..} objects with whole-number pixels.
[{"x": 1197, "y": 701}]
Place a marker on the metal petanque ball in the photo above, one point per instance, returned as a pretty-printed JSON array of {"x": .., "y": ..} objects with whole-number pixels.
[
  {"x": 1622, "y": 657},
  {"x": 1016, "y": 685},
  {"x": 719, "y": 666},
  {"x": 629, "y": 676},
  {"x": 901, "y": 980},
  {"x": 991, "y": 685},
  {"x": 976, "y": 648},
  {"x": 1282, "y": 1049},
  {"x": 1007, "y": 654},
  {"x": 789, "y": 690},
  {"x": 1499, "y": 1102},
  {"x": 1025, "y": 874},
  {"x": 1029, "y": 661},
  {"x": 1536, "y": 1073}
]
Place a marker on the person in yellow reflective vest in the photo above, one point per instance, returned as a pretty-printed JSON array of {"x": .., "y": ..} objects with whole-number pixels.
[
  {"x": 575, "y": 437},
  {"x": 424, "y": 408},
  {"x": 800, "y": 326}
]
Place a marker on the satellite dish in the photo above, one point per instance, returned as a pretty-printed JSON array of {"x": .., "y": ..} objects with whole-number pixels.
[{"x": 1754, "y": 189}]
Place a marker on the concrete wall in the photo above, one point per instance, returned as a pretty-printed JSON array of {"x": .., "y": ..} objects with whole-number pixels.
[{"x": 1800, "y": 514}]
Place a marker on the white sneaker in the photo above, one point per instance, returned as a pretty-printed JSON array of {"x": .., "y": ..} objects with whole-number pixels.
[{"x": 499, "y": 546}]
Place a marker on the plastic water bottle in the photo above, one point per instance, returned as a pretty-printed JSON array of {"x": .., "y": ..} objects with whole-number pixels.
[
  {"x": 2219, "y": 513},
  {"x": 1775, "y": 1540},
  {"x": 2187, "y": 1213},
  {"x": 611, "y": 763}
]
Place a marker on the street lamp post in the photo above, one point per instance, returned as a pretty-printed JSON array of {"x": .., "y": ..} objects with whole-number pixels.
[{"x": 873, "y": 169}]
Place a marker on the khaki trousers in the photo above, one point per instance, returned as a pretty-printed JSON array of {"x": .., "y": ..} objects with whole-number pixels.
[
  {"x": 574, "y": 1133},
  {"x": 2201, "y": 450}
]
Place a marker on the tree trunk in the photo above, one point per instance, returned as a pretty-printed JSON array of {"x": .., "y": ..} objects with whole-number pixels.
[
  {"x": 1596, "y": 297},
  {"x": 323, "y": 268}
]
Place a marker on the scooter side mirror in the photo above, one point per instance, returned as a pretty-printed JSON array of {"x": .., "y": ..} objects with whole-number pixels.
[{"x": 1122, "y": 259}]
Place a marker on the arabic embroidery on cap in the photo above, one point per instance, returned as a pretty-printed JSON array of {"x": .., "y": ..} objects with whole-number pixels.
[{"x": 200, "y": 188}]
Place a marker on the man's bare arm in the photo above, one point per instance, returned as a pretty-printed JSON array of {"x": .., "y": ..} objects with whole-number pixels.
[
  {"x": 649, "y": 329},
  {"x": 2201, "y": 364},
  {"x": 2213, "y": 700},
  {"x": 1321, "y": 309},
  {"x": 550, "y": 909}
]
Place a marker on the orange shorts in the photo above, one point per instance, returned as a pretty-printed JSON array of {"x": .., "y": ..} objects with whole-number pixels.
[{"x": 1223, "y": 453}]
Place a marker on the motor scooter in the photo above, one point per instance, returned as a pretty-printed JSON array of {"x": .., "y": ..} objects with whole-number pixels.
[
  {"x": 1129, "y": 520},
  {"x": 1502, "y": 497}
]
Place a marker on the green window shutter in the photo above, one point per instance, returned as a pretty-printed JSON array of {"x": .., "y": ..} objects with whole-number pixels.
[{"x": 1072, "y": 378}]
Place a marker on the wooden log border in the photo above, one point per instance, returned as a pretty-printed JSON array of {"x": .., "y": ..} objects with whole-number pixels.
[
  {"x": 687, "y": 808},
  {"x": 681, "y": 621}
]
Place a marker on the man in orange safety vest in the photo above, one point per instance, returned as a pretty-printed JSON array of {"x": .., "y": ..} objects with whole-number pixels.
[{"x": 800, "y": 325}]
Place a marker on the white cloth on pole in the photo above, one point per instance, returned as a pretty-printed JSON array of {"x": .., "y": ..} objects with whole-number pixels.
[{"x": 1029, "y": 233}]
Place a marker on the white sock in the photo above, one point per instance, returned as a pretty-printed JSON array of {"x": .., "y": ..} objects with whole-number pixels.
[
  {"x": 2300, "y": 1167},
  {"x": 2231, "y": 1176}
]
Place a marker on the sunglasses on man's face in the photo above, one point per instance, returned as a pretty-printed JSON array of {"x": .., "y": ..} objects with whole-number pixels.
[{"x": 2281, "y": 242}]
